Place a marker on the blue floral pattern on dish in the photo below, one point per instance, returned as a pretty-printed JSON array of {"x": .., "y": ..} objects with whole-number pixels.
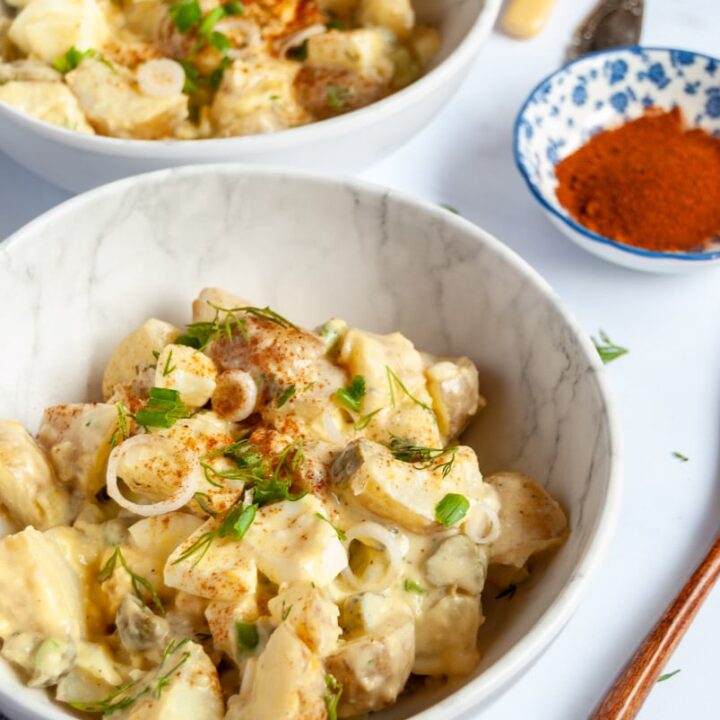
[{"x": 605, "y": 90}]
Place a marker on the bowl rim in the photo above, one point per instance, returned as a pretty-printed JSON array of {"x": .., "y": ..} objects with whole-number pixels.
[
  {"x": 530, "y": 647},
  {"x": 376, "y": 112},
  {"x": 566, "y": 218}
]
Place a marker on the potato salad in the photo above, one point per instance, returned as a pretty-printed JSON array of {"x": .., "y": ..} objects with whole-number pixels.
[
  {"x": 259, "y": 522},
  {"x": 193, "y": 69}
]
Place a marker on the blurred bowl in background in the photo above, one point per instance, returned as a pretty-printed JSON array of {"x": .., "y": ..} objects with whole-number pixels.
[{"x": 345, "y": 144}]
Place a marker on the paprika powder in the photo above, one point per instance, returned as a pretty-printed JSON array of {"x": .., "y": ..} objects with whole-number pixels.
[{"x": 652, "y": 183}]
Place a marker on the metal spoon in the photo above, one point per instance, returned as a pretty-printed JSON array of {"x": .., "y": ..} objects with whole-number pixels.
[{"x": 610, "y": 24}]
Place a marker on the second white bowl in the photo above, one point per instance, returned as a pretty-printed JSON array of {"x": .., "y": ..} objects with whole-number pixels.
[{"x": 345, "y": 144}]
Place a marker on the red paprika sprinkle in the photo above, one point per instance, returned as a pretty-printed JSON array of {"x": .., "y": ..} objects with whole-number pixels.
[{"x": 651, "y": 183}]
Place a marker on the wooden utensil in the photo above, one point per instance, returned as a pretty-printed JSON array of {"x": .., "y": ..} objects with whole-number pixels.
[{"x": 625, "y": 698}]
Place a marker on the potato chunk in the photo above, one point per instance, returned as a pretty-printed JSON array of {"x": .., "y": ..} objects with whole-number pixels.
[
  {"x": 363, "y": 51},
  {"x": 93, "y": 677},
  {"x": 49, "y": 101},
  {"x": 114, "y": 106},
  {"x": 530, "y": 520},
  {"x": 399, "y": 491},
  {"x": 223, "y": 617},
  {"x": 202, "y": 306},
  {"x": 77, "y": 438},
  {"x": 29, "y": 489},
  {"x": 446, "y": 636},
  {"x": 190, "y": 690},
  {"x": 188, "y": 371},
  {"x": 395, "y": 15},
  {"x": 396, "y": 388},
  {"x": 287, "y": 681},
  {"x": 327, "y": 92},
  {"x": 136, "y": 350},
  {"x": 453, "y": 386},
  {"x": 290, "y": 543},
  {"x": 367, "y": 612},
  {"x": 312, "y": 615},
  {"x": 256, "y": 97},
  {"x": 47, "y": 28},
  {"x": 374, "y": 668},
  {"x": 45, "y": 597},
  {"x": 225, "y": 572}
]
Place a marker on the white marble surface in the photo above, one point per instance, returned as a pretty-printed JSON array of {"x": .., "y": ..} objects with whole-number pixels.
[{"x": 668, "y": 387}]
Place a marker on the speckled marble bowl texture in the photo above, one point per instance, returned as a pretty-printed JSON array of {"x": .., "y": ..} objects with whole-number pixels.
[
  {"x": 600, "y": 92},
  {"x": 76, "y": 280}
]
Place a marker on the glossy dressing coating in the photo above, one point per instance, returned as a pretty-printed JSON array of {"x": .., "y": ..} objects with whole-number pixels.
[{"x": 335, "y": 537}]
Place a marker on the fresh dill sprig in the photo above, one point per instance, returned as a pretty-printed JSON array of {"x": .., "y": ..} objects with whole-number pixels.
[
  {"x": 225, "y": 323},
  {"x": 122, "y": 432},
  {"x": 267, "y": 486},
  {"x": 203, "y": 500},
  {"x": 114, "y": 702},
  {"x": 173, "y": 646},
  {"x": 405, "y": 450},
  {"x": 269, "y": 314},
  {"x": 365, "y": 420},
  {"x": 277, "y": 486},
  {"x": 164, "y": 680},
  {"x": 168, "y": 367},
  {"x": 393, "y": 380},
  {"x": 139, "y": 583},
  {"x": 607, "y": 349},
  {"x": 249, "y": 463},
  {"x": 341, "y": 535}
]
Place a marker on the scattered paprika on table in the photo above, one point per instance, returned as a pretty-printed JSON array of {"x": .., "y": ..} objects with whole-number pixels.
[{"x": 652, "y": 183}]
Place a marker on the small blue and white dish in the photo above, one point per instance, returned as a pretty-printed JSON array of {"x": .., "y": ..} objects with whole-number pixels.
[{"x": 599, "y": 92}]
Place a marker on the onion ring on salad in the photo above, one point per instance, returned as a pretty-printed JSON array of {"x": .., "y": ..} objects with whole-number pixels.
[
  {"x": 395, "y": 545},
  {"x": 188, "y": 480}
]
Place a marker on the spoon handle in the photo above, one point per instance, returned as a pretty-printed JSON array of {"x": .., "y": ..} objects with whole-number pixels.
[{"x": 625, "y": 698}]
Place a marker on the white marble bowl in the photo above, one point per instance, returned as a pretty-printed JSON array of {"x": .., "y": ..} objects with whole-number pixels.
[
  {"x": 77, "y": 279},
  {"x": 345, "y": 144},
  {"x": 600, "y": 91}
]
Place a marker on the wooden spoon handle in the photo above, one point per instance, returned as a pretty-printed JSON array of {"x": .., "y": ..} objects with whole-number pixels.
[{"x": 625, "y": 698}]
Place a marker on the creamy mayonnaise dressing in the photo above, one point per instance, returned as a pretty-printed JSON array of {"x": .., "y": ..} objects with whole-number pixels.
[{"x": 258, "y": 522}]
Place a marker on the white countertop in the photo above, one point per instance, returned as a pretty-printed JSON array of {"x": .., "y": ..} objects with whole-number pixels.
[{"x": 667, "y": 388}]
